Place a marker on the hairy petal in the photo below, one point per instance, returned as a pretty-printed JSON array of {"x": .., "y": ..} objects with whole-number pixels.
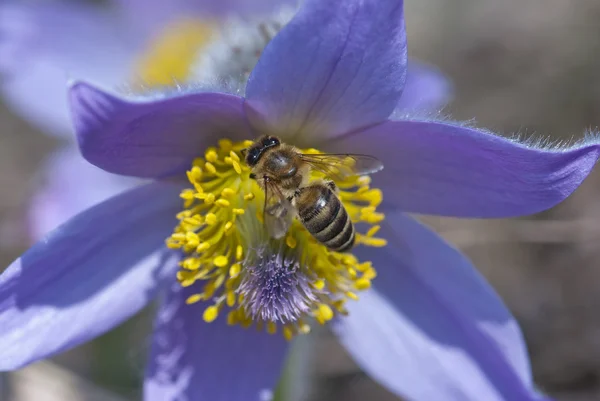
[
  {"x": 451, "y": 170},
  {"x": 337, "y": 66},
  {"x": 195, "y": 360},
  {"x": 88, "y": 275},
  {"x": 432, "y": 328},
  {"x": 152, "y": 138},
  {"x": 44, "y": 44}
]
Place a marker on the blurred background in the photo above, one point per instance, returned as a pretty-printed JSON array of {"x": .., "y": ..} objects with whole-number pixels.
[{"x": 526, "y": 66}]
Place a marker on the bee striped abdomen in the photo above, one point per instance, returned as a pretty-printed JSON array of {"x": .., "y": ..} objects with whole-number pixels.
[{"x": 324, "y": 216}]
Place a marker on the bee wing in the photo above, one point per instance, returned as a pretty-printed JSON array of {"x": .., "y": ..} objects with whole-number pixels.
[
  {"x": 340, "y": 166},
  {"x": 278, "y": 212}
]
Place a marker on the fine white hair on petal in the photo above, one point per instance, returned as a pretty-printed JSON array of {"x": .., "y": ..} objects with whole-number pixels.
[
  {"x": 231, "y": 57},
  {"x": 533, "y": 140}
]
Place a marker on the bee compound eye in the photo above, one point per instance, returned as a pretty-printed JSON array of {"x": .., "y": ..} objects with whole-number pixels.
[
  {"x": 270, "y": 141},
  {"x": 252, "y": 156}
]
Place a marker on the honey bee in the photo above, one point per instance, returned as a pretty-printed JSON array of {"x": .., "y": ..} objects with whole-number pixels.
[{"x": 283, "y": 172}]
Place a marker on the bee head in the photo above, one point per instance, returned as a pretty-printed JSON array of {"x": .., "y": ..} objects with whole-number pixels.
[{"x": 254, "y": 152}]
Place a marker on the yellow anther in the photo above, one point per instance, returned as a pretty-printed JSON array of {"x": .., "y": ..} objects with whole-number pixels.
[
  {"x": 319, "y": 284},
  {"x": 202, "y": 247},
  {"x": 235, "y": 270},
  {"x": 210, "y": 168},
  {"x": 238, "y": 212},
  {"x": 372, "y": 231},
  {"x": 374, "y": 242},
  {"x": 209, "y": 199},
  {"x": 271, "y": 328},
  {"x": 291, "y": 241},
  {"x": 192, "y": 237},
  {"x": 193, "y": 299},
  {"x": 211, "y": 219},
  {"x": 219, "y": 281},
  {"x": 227, "y": 193},
  {"x": 236, "y": 167},
  {"x": 211, "y": 156},
  {"x": 187, "y": 283},
  {"x": 191, "y": 264},
  {"x": 228, "y": 227},
  {"x": 223, "y": 203},
  {"x": 362, "y": 284},
  {"x": 232, "y": 318},
  {"x": 288, "y": 333},
  {"x": 230, "y": 298},
  {"x": 209, "y": 289},
  {"x": 221, "y": 261},
  {"x": 195, "y": 174},
  {"x": 351, "y": 295},
  {"x": 325, "y": 312},
  {"x": 225, "y": 144},
  {"x": 210, "y": 314},
  {"x": 234, "y": 156},
  {"x": 239, "y": 252},
  {"x": 249, "y": 196},
  {"x": 187, "y": 194}
]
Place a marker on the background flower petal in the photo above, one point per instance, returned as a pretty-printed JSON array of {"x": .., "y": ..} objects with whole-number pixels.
[
  {"x": 195, "y": 360},
  {"x": 426, "y": 90},
  {"x": 150, "y": 15},
  {"x": 69, "y": 185},
  {"x": 152, "y": 138},
  {"x": 42, "y": 45},
  {"x": 432, "y": 328},
  {"x": 338, "y": 65},
  {"x": 448, "y": 169},
  {"x": 88, "y": 275}
]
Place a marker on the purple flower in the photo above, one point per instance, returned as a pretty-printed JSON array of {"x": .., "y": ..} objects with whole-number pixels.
[
  {"x": 429, "y": 329},
  {"x": 43, "y": 45}
]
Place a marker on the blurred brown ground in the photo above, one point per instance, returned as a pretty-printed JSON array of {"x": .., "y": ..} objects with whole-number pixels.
[{"x": 528, "y": 66}]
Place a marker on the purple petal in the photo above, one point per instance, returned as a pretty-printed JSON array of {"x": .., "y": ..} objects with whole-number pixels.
[
  {"x": 433, "y": 329},
  {"x": 152, "y": 138},
  {"x": 43, "y": 45},
  {"x": 70, "y": 185},
  {"x": 426, "y": 90},
  {"x": 88, "y": 275},
  {"x": 337, "y": 66},
  {"x": 195, "y": 360},
  {"x": 452, "y": 170}
]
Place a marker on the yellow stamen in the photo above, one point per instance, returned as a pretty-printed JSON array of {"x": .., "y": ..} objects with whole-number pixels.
[
  {"x": 218, "y": 232},
  {"x": 169, "y": 59}
]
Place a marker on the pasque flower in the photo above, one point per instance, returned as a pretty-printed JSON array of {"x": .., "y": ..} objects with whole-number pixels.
[
  {"x": 429, "y": 328},
  {"x": 135, "y": 45}
]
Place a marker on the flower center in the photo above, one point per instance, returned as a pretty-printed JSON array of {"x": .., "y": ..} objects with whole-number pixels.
[
  {"x": 169, "y": 59},
  {"x": 191, "y": 50},
  {"x": 241, "y": 272}
]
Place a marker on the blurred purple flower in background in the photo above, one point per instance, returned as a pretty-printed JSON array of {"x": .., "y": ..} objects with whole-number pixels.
[
  {"x": 429, "y": 329},
  {"x": 43, "y": 45}
]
